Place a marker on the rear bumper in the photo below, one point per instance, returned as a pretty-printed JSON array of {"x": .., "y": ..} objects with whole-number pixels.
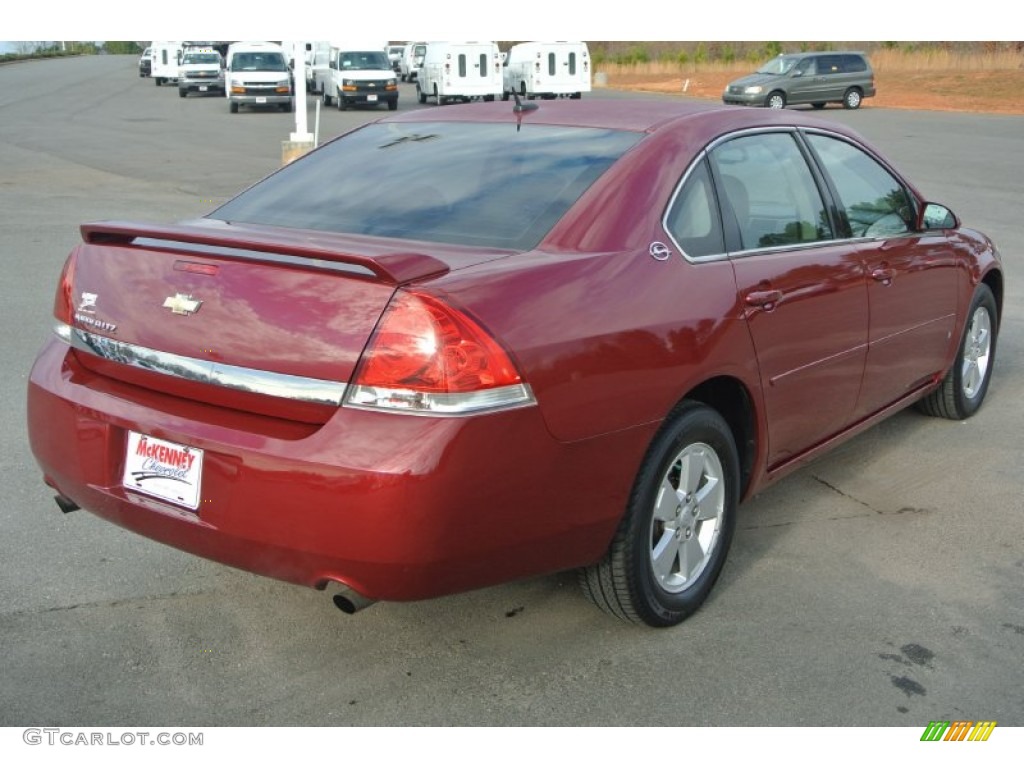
[{"x": 397, "y": 507}]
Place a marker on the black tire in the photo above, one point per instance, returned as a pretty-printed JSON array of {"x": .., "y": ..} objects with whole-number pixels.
[
  {"x": 325, "y": 97},
  {"x": 342, "y": 103},
  {"x": 489, "y": 97},
  {"x": 852, "y": 98},
  {"x": 577, "y": 95},
  {"x": 233, "y": 107},
  {"x": 695, "y": 453},
  {"x": 818, "y": 104},
  {"x": 421, "y": 97},
  {"x": 504, "y": 96},
  {"x": 392, "y": 104},
  {"x": 182, "y": 92},
  {"x": 965, "y": 384},
  {"x": 158, "y": 81},
  {"x": 286, "y": 106},
  {"x": 776, "y": 100}
]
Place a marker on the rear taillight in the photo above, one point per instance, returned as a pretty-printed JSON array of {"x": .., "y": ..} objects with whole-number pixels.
[
  {"x": 428, "y": 357},
  {"x": 63, "y": 302}
]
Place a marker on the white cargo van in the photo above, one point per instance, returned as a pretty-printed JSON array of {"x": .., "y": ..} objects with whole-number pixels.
[
  {"x": 257, "y": 74},
  {"x": 460, "y": 72},
  {"x": 356, "y": 73},
  {"x": 547, "y": 70},
  {"x": 411, "y": 61},
  {"x": 166, "y": 58}
]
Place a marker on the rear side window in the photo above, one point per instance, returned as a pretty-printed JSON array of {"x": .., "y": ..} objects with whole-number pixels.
[
  {"x": 874, "y": 201},
  {"x": 572, "y": 63},
  {"x": 693, "y": 219},
  {"x": 462, "y": 65},
  {"x": 483, "y": 184},
  {"x": 852, "y": 63},
  {"x": 768, "y": 189}
]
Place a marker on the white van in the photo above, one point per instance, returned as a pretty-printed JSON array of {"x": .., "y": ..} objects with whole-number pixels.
[
  {"x": 166, "y": 58},
  {"x": 356, "y": 73},
  {"x": 257, "y": 74},
  {"x": 547, "y": 70},
  {"x": 460, "y": 72},
  {"x": 411, "y": 61}
]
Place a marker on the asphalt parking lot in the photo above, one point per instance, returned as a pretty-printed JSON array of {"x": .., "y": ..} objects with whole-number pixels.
[{"x": 881, "y": 585}]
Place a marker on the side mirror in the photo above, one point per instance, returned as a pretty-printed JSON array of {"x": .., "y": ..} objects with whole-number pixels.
[
  {"x": 797, "y": 73},
  {"x": 935, "y": 216}
]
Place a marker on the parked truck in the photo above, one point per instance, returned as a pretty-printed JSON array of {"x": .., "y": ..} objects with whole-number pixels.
[
  {"x": 354, "y": 73},
  {"x": 460, "y": 72},
  {"x": 547, "y": 70}
]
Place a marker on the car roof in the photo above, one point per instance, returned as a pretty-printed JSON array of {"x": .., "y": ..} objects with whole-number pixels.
[{"x": 641, "y": 115}]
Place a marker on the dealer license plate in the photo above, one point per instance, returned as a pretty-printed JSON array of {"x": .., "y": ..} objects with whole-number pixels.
[
  {"x": 163, "y": 469},
  {"x": 371, "y": 97}
]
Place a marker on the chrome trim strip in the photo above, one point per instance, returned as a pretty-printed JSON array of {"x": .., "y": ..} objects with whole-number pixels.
[{"x": 307, "y": 390}]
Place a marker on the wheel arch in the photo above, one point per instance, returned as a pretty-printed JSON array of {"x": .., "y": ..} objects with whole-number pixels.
[
  {"x": 994, "y": 280},
  {"x": 732, "y": 400}
]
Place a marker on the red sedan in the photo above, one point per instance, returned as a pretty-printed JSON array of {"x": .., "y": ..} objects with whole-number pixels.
[{"x": 458, "y": 347}]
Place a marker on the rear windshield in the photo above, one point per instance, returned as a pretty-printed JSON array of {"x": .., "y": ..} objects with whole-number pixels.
[{"x": 479, "y": 184}]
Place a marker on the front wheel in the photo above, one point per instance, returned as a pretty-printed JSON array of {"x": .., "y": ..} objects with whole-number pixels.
[
  {"x": 233, "y": 107},
  {"x": 673, "y": 540},
  {"x": 852, "y": 98},
  {"x": 421, "y": 97},
  {"x": 182, "y": 92},
  {"x": 325, "y": 97},
  {"x": 775, "y": 100},
  {"x": 342, "y": 103},
  {"x": 392, "y": 105},
  {"x": 963, "y": 388}
]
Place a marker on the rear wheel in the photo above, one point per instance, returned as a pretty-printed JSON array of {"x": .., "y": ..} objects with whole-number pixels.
[
  {"x": 678, "y": 525},
  {"x": 852, "y": 98},
  {"x": 775, "y": 100},
  {"x": 966, "y": 382}
]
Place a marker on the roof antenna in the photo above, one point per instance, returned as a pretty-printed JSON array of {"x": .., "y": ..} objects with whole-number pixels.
[{"x": 519, "y": 108}]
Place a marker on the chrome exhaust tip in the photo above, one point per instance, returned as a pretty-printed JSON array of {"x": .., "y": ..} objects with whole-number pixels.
[{"x": 349, "y": 601}]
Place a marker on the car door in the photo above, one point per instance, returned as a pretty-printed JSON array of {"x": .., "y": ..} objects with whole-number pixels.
[
  {"x": 912, "y": 285},
  {"x": 805, "y": 292}
]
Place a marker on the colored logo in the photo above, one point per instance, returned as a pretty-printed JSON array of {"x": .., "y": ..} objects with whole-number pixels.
[{"x": 958, "y": 730}]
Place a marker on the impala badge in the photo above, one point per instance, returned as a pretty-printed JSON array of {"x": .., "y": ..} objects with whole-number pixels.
[
  {"x": 180, "y": 304},
  {"x": 88, "y": 302}
]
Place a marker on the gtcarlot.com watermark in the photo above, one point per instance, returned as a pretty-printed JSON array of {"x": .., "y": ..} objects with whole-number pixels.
[{"x": 73, "y": 738}]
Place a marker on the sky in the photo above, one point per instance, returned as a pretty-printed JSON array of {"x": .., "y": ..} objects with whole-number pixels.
[{"x": 865, "y": 20}]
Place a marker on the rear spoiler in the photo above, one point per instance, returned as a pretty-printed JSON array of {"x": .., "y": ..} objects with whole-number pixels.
[{"x": 250, "y": 243}]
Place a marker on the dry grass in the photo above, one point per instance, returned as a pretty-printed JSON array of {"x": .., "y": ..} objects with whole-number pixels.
[{"x": 928, "y": 79}]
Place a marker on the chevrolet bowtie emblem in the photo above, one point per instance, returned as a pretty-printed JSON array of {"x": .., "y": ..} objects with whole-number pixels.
[{"x": 180, "y": 304}]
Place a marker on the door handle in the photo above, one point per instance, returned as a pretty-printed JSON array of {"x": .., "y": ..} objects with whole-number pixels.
[
  {"x": 764, "y": 299},
  {"x": 883, "y": 275}
]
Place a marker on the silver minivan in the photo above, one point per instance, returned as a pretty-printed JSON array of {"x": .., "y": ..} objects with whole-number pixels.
[{"x": 841, "y": 77}]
